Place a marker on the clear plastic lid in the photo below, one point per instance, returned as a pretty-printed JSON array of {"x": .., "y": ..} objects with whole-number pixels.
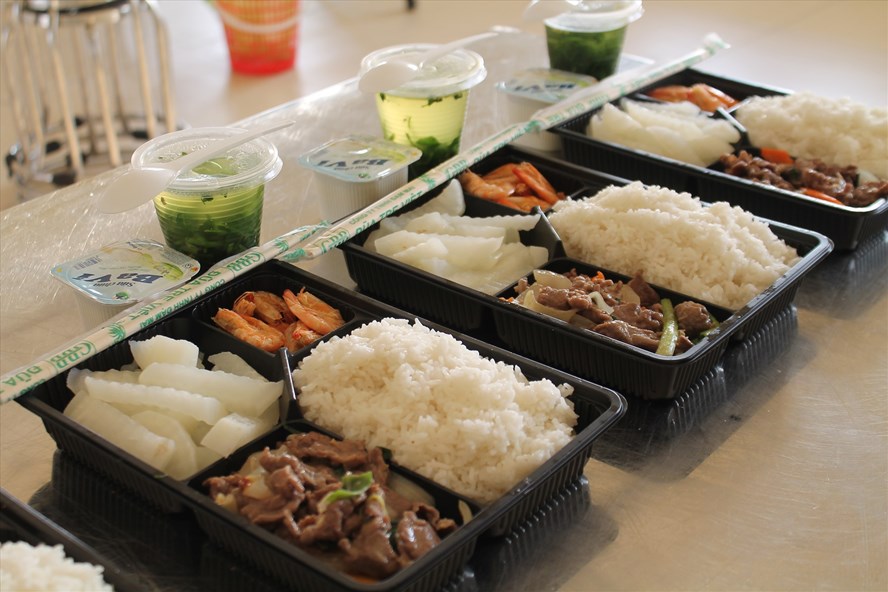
[
  {"x": 597, "y": 16},
  {"x": 545, "y": 84},
  {"x": 458, "y": 70},
  {"x": 360, "y": 159},
  {"x": 250, "y": 164},
  {"x": 127, "y": 272}
]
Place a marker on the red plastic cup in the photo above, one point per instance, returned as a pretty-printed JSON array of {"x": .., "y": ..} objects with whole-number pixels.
[{"x": 262, "y": 35}]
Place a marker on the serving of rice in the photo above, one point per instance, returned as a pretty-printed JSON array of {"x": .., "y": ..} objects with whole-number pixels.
[
  {"x": 470, "y": 423},
  {"x": 42, "y": 567},
  {"x": 836, "y": 131},
  {"x": 720, "y": 253}
]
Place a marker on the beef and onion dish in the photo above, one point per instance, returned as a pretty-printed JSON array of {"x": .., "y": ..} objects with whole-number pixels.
[
  {"x": 631, "y": 312},
  {"x": 812, "y": 177},
  {"x": 333, "y": 498}
]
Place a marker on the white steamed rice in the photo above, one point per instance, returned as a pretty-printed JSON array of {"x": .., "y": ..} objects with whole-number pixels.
[
  {"x": 469, "y": 423},
  {"x": 42, "y": 567},
  {"x": 720, "y": 254},
  {"x": 837, "y": 131}
]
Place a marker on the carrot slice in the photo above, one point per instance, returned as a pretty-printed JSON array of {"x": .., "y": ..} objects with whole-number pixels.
[
  {"x": 821, "y": 195},
  {"x": 776, "y": 155}
]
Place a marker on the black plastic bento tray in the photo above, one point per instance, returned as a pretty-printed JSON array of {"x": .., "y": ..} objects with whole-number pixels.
[
  {"x": 598, "y": 408},
  {"x": 445, "y": 301},
  {"x": 630, "y": 369},
  {"x": 846, "y": 226},
  {"x": 469, "y": 310},
  {"x": 21, "y": 522}
]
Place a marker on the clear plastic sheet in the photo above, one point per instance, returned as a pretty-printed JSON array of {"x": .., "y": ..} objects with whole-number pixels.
[{"x": 39, "y": 314}]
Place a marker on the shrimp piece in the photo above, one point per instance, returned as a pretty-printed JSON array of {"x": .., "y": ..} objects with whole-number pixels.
[
  {"x": 298, "y": 335},
  {"x": 267, "y": 307},
  {"x": 249, "y": 330},
  {"x": 314, "y": 312},
  {"x": 537, "y": 182},
  {"x": 672, "y": 93},
  {"x": 472, "y": 183},
  {"x": 502, "y": 173}
]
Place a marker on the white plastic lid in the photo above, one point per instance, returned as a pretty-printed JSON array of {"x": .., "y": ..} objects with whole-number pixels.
[
  {"x": 458, "y": 70},
  {"x": 597, "y": 15},
  {"x": 127, "y": 272},
  {"x": 247, "y": 165},
  {"x": 360, "y": 159},
  {"x": 545, "y": 84}
]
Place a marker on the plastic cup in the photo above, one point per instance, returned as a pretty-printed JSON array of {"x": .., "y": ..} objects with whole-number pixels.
[
  {"x": 589, "y": 39},
  {"x": 428, "y": 112},
  {"x": 262, "y": 35},
  {"x": 214, "y": 210},
  {"x": 354, "y": 172}
]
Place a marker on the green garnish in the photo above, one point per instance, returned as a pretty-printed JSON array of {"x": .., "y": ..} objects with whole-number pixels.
[
  {"x": 353, "y": 485},
  {"x": 669, "y": 337},
  {"x": 433, "y": 154},
  {"x": 593, "y": 53}
]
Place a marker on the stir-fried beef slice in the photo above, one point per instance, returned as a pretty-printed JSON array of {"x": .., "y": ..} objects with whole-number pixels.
[
  {"x": 692, "y": 317},
  {"x": 313, "y": 497},
  {"x": 329, "y": 525},
  {"x": 751, "y": 167},
  {"x": 553, "y": 298},
  {"x": 378, "y": 466},
  {"x": 608, "y": 289},
  {"x": 396, "y": 503},
  {"x": 415, "y": 537},
  {"x": 626, "y": 333},
  {"x": 312, "y": 445},
  {"x": 638, "y": 316},
  {"x": 830, "y": 182},
  {"x": 268, "y": 510},
  {"x": 225, "y": 485},
  {"x": 683, "y": 344},
  {"x": 371, "y": 552},
  {"x": 313, "y": 477},
  {"x": 285, "y": 481},
  {"x": 867, "y": 193},
  {"x": 430, "y": 514},
  {"x": 646, "y": 294},
  {"x": 287, "y": 529},
  {"x": 840, "y": 182},
  {"x": 586, "y": 308}
]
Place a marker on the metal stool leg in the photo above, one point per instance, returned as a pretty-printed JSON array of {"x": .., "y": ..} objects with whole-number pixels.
[
  {"x": 144, "y": 76},
  {"x": 67, "y": 112},
  {"x": 104, "y": 101},
  {"x": 163, "y": 56}
]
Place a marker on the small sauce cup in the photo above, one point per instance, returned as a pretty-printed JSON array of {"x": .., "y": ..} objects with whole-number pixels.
[
  {"x": 529, "y": 91},
  {"x": 353, "y": 172},
  {"x": 119, "y": 275}
]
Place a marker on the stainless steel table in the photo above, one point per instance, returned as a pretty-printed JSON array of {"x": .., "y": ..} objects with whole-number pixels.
[{"x": 775, "y": 478}]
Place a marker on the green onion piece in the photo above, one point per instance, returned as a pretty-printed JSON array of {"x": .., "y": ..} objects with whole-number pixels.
[
  {"x": 669, "y": 337},
  {"x": 353, "y": 485}
]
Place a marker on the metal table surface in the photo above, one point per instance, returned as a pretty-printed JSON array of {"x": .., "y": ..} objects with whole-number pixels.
[{"x": 777, "y": 481}]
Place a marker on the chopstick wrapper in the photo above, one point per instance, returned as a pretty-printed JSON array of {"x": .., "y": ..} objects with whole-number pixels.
[{"x": 308, "y": 242}]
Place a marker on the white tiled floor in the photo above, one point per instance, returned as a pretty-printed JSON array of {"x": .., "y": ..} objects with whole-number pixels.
[{"x": 804, "y": 44}]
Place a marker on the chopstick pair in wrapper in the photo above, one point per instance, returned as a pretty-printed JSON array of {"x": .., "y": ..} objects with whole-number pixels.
[{"x": 309, "y": 242}]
